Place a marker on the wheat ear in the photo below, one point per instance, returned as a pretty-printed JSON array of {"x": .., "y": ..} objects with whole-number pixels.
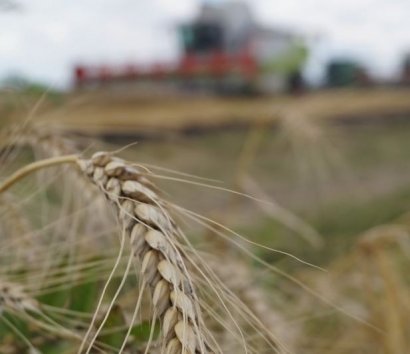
[{"x": 154, "y": 235}]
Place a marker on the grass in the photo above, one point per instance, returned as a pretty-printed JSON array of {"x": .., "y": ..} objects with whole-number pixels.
[{"x": 339, "y": 222}]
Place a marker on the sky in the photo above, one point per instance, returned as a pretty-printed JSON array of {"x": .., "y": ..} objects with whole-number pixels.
[{"x": 43, "y": 39}]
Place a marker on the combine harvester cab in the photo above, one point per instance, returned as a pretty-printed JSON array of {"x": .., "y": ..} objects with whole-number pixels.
[{"x": 224, "y": 51}]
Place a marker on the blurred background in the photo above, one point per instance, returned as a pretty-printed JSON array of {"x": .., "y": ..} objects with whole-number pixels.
[
  {"x": 305, "y": 104},
  {"x": 62, "y": 44},
  {"x": 310, "y": 99}
]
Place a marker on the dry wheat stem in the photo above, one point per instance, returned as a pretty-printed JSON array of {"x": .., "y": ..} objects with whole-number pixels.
[{"x": 36, "y": 166}]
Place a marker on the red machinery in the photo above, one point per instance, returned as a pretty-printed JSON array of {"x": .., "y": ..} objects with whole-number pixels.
[
  {"x": 223, "y": 50},
  {"x": 215, "y": 65}
]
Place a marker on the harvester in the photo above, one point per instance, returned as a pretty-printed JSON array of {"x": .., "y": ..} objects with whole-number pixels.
[{"x": 223, "y": 50}]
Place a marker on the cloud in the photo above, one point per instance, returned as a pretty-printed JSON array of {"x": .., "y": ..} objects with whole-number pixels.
[{"x": 46, "y": 38}]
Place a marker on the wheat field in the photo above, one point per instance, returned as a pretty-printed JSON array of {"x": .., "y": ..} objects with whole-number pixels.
[{"x": 292, "y": 239}]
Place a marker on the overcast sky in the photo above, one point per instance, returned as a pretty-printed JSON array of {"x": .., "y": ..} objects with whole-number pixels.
[{"x": 46, "y": 37}]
